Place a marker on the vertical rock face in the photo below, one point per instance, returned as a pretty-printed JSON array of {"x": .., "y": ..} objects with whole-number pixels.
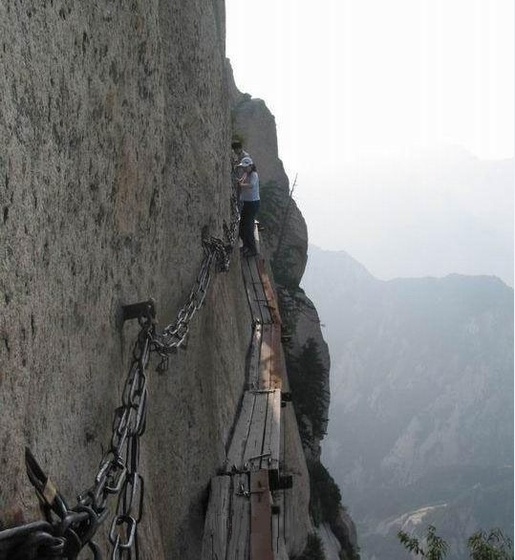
[{"x": 115, "y": 133}]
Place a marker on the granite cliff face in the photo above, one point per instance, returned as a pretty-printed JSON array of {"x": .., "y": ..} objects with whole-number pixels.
[{"x": 115, "y": 127}]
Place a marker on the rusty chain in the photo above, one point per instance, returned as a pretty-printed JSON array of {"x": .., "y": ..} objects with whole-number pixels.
[{"x": 67, "y": 531}]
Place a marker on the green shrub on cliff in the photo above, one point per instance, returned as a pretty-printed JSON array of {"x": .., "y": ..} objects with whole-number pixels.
[
  {"x": 308, "y": 376},
  {"x": 326, "y": 497},
  {"x": 482, "y": 546},
  {"x": 314, "y": 549}
]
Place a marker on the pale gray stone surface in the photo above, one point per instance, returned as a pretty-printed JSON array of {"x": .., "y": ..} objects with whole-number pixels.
[{"x": 114, "y": 135}]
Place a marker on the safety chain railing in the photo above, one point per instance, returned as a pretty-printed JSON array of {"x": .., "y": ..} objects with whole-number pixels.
[
  {"x": 175, "y": 335},
  {"x": 66, "y": 530}
]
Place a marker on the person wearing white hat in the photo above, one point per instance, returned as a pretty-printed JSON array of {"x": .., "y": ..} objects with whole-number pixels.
[{"x": 249, "y": 196}]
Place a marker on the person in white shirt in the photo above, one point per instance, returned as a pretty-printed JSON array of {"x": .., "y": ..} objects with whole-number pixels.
[{"x": 249, "y": 197}]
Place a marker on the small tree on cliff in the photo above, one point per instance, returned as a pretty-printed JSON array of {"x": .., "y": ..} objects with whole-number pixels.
[
  {"x": 308, "y": 377},
  {"x": 314, "y": 549},
  {"x": 326, "y": 498},
  {"x": 482, "y": 546}
]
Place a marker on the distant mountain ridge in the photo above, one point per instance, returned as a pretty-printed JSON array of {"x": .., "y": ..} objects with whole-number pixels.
[
  {"x": 425, "y": 212},
  {"x": 421, "y": 416}
]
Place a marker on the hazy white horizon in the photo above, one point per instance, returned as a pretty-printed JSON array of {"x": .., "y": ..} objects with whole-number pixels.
[
  {"x": 370, "y": 76},
  {"x": 353, "y": 84}
]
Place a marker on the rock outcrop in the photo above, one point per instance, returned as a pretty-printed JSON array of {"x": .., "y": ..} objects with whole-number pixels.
[
  {"x": 285, "y": 241},
  {"x": 286, "y": 238}
]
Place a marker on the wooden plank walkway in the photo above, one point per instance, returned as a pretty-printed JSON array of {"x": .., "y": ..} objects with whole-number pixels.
[
  {"x": 258, "y": 302},
  {"x": 242, "y": 521}
]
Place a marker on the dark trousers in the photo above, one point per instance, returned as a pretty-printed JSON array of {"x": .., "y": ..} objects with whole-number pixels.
[{"x": 248, "y": 214}]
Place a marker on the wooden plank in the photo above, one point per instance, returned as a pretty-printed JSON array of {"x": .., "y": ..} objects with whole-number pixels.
[
  {"x": 264, "y": 359},
  {"x": 254, "y": 446},
  {"x": 241, "y": 433},
  {"x": 272, "y": 365},
  {"x": 280, "y": 358},
  {"x": 278, "y": 366},
  {"x": 270, "y": 294},
  {"x": 272, "y": 436},
  {"x": 257, "y": 237},
  {"x": 254, "y": 357},
  {"x": 248, "y": 281},
  {"x": 238, "y": 546},
  {"x": 259, "y": 292},
  {"x": 214, "y": 542},
  {"x": 278, "y": 535},
  {"x": 248, "y": 275},
  {"x": 260, "y": 517}
]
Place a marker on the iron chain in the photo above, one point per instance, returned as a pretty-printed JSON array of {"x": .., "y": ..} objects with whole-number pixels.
[{"x": 215, "y": 251}]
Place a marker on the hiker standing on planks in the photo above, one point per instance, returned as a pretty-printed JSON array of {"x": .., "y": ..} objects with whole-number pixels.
[{"x": 249, "y": 197}]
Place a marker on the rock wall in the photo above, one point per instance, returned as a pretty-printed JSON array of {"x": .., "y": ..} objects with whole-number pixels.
[{"x": 114, "y": 131}]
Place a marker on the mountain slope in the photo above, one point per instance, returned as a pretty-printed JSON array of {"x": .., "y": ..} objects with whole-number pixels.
[{"x": 422, "y": 395}]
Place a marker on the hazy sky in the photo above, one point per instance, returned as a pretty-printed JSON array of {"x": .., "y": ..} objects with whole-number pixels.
[{"x": 352, "y": 80}]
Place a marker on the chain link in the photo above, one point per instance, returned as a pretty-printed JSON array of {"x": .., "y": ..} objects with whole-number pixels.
[{"x": 118, "y": 473}]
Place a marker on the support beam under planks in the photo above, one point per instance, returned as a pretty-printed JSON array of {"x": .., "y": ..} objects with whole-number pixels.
[
  {"x": 278, "y": 532},
  {"x": 265, "y": 358}
]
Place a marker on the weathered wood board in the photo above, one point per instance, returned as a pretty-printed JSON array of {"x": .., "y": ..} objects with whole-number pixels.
[
  {"x": 260, "y": 517},
  {"x": 238, "y": 546},
  {"x": 235, "y": 455},
  {"x": 214, "y": 542},
  {"x": 270, "y": 294},
  {"x": 272, "y": 436},
  {"x": 254, "y": 446},
  {"x": 254, "y": 357}
]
